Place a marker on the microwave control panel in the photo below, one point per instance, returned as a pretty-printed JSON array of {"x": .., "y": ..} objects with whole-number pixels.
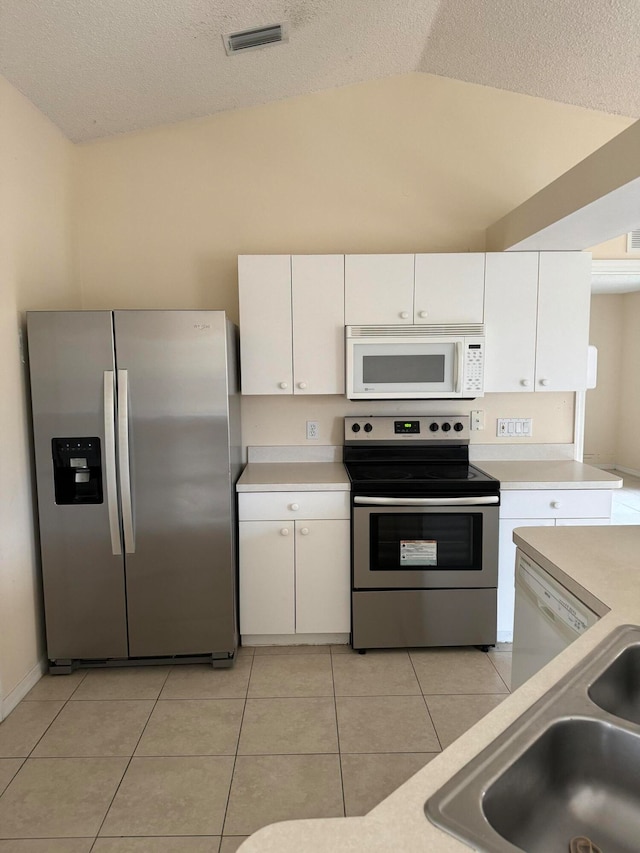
[{"x": 473, "y": 369}]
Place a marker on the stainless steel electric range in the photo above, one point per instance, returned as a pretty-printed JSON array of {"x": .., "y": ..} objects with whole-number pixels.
[{"x": 424, "y": 534}]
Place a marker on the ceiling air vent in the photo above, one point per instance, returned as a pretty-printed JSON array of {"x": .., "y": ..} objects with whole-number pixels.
[
  {"x": 252, "y": 39},
  {"x": 633, "y": 241}
]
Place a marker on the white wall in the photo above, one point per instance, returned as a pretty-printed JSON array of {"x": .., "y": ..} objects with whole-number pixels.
[
  {"x": 629, "y": 412},
  {"x": 35, "y": 272}
]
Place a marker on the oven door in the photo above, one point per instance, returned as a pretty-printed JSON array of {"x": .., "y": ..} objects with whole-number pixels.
[{"x": 425, "y": 543}]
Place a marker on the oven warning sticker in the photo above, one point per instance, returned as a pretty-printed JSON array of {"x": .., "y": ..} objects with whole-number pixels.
[{"x": 418, "y": 552}]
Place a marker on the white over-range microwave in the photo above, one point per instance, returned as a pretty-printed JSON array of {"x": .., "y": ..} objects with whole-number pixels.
[{"x": 415, "y": 362}]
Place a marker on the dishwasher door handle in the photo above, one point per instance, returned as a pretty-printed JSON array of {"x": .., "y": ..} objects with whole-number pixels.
[{"x": 472, "y": 501}]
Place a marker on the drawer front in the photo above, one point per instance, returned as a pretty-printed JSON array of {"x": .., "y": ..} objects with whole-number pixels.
[
  {"x": 263, "y": 506},
  {"x": 556, "y": 503}
]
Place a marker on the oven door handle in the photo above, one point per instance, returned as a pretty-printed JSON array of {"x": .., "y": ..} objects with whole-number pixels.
[{"x": 472, "y": 501}]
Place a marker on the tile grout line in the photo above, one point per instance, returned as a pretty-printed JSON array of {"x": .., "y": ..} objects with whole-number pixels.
[
  {"x": 498, "y": 671},
  {"x": 235, "y": 757},
  {"x": 335, "y": 709},
  {"x": 424, "y": 699},
  {"x": 131, "y": 757}
]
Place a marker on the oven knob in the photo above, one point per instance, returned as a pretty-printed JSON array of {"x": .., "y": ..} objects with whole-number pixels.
[
  {"x": 458, "y": 426},
  {"x": 368, "y": 427},
  {"x": 355, "y": 428},
  {"x": 446, "y": 427},
  {"x": 434, "y": 427}
]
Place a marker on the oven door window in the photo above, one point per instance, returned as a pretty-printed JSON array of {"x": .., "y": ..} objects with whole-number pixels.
[{"x": 447, "y": 541}]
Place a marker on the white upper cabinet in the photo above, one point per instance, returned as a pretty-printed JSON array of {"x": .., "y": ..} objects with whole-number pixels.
[
  {"x": 291, "y": 324},
  {"x": 537, "y": 321},
  {"x": 318, "y": 323},
  {"x": 378, "y": 289},
  {"x": 511, "y": 300},
  {"x": 564, "y": 300},
  {"x": 449, "y": 288},
  {"x": 265, "y": 323}
]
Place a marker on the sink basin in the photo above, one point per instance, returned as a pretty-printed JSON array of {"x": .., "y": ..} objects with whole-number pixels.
[
  {"x": 579, "y": 778},
  {"x": 569, "y": 766},
  {"x": 617, "y": 690}
]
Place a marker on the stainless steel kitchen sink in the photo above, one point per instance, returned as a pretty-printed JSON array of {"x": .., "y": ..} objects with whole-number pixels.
[
  {"x": 617, "y": 690},
  {"x": 568, "y": 767}
]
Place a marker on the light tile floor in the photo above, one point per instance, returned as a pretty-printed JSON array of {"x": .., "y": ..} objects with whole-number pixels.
[{"x": 188, "y": 758}]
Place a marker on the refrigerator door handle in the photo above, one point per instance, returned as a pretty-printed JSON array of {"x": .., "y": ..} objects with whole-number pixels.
[
  {"x": 123, "y": 455},
  {"x": 110, "y": 460}
]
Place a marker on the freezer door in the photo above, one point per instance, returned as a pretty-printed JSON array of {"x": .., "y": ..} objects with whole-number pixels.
[
  {"x": 174, "y": 451},
  {"x": 71, "y": 363}
]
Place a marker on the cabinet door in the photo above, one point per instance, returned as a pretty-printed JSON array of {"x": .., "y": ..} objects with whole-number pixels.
[
  {"x": 506, "y": 571},
  {"x": 564, "y": 296},
  {"x": 317, "y": 284},
  {"x": 511, "y": 296},
  {"x": 267, "y": 604},
  {"x": 378, "y": 289},
  {"x": 264, "y": 291},
  {"x": 322, "y": 577},
  {"x": 449, "y": 288}
]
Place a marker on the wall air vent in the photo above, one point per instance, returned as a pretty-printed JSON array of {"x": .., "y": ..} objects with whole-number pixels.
[
  {"x": 255, "y": 38},
  {"x": 633, "y": 241}
]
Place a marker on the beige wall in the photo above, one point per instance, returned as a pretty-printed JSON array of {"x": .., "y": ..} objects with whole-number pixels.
[
  {"x": 603, "y": 402},
  {"x": 629, "y": 429},
  {"x": 411, "y": 163},
  {"x": 282, "y": 420},
  {"x": 35, "y": 271}
]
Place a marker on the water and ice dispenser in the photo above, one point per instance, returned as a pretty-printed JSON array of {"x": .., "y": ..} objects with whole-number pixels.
[{"x": 77, "y": 470}]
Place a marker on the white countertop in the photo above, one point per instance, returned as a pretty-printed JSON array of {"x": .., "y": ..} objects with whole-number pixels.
[
  {"x": 548, "y": 474},
  {"x": 294, "y": 477},
  {"x": 600, "y": 564},
  {"x": 331, "y": 476}
]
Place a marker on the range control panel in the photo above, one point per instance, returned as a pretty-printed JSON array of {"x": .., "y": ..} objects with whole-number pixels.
[{"x": 454, "y": 429}]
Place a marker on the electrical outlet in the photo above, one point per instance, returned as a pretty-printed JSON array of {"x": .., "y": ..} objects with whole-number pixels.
[
  {"x": 313, "y": 430},
  {"x": 477, "y": 419}
]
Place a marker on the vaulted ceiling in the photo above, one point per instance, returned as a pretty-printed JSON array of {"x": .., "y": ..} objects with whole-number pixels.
[{"x": 100, "y": 67}]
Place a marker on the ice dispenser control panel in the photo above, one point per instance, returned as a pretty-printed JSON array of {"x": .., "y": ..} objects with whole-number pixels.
[{"x": 77, "y": 470}]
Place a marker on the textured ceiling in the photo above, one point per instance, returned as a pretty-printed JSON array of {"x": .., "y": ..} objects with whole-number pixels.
[{"x": 99, "y": 67}]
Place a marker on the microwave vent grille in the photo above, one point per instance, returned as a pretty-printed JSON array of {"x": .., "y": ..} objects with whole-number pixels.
[{"x": 466, "y": 330}]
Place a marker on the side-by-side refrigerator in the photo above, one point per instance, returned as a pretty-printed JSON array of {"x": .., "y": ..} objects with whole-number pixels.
[{"x": 137, "y": 447}]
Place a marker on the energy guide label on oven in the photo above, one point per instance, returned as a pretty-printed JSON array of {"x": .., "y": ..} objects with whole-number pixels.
[{"x": 418, "y": 552}]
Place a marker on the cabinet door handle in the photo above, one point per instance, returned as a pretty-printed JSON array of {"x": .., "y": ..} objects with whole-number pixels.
[
  {"x": 302, "y": 384},
  {"x": 284, "y": 531},
  {"x": 556, "y": 504},
  {"x": 404, "y": 315},
  {"x": 423, "y": 314},
  {"x": 304, "y": 531},
  {"x": 545, "y": 382},
  {"x": 525, "y": 382},
  {"x": 283, "y": 385},
  {"x": 294, "y": 507}
]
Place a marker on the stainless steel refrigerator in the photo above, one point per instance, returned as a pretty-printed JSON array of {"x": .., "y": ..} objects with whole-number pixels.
[{"x": 137, "y": 447}]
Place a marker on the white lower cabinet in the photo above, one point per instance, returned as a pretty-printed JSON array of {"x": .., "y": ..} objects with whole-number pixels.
[
  {"x": 294, "y": 572},
  {"x": 539, "y": 508}
]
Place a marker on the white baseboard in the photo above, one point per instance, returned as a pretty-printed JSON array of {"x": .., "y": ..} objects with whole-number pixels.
[
  {"x": 294, "y": 639},
  {"x": 20, "y": 691}
]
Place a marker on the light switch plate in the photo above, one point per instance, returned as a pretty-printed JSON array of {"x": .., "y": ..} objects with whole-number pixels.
[{"x": 515, "y": 428}]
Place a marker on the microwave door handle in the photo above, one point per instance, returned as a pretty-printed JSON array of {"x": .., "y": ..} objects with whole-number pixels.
[
  {"x": 472, "y": 501},
  {"x": 459, "y": 367}
]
